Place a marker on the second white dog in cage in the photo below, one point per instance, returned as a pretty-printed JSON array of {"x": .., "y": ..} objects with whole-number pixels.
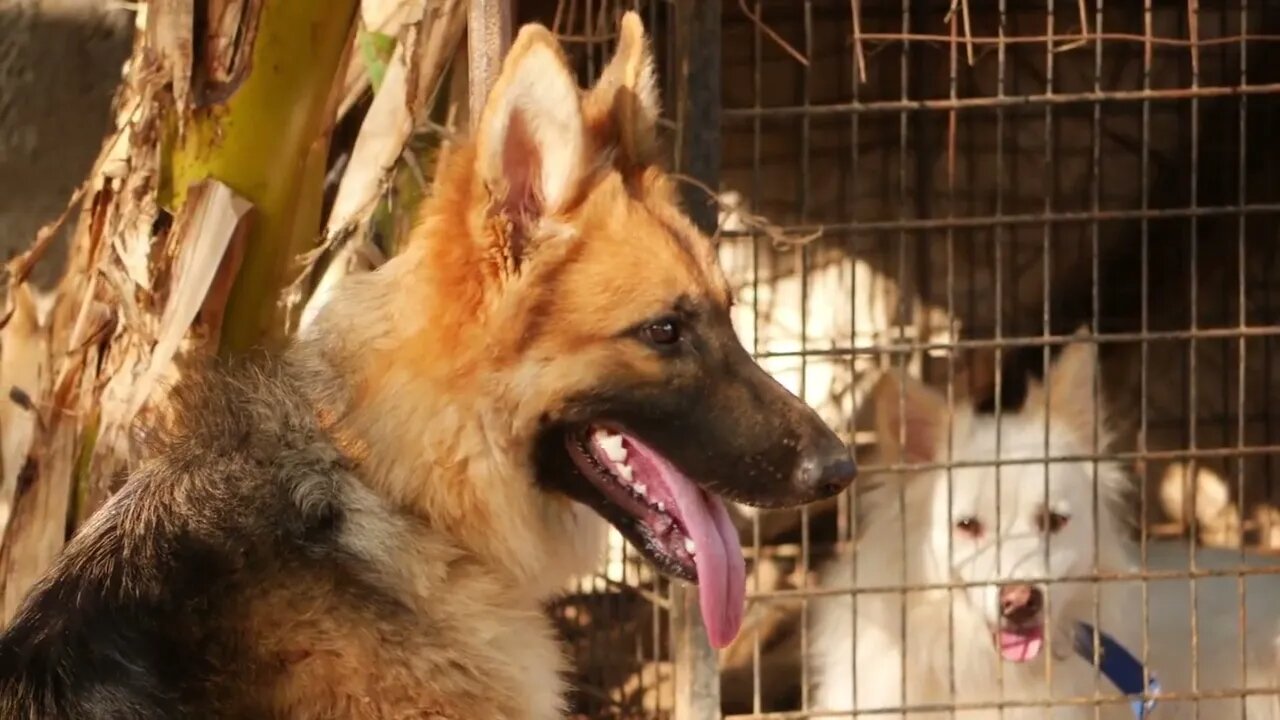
[{"x": 1000, "y": 617}]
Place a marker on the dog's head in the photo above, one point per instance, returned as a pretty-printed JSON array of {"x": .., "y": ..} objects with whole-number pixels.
[
  {"x": 1006, "y": 530},
  {"x": 562, "y": 301}
]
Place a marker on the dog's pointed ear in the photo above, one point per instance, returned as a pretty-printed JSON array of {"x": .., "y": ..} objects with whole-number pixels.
[
  {"x": 531, "y": 140},
  {"x": 1069, "y": 394},
  {"x": 622, "y": 108},
  {"x": 912, "y": 421}
]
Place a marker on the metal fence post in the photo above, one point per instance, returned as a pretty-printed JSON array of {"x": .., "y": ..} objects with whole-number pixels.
[
  {"x": 697, "y": 671},
  {"x": 488, "y": 38}
]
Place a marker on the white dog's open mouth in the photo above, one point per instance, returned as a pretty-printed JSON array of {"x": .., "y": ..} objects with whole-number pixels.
[{"x": 1020, "y": 644}]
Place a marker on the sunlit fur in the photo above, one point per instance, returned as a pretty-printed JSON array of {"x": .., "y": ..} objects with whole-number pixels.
[
  {"x": 909, "y": 536},
  {"x": 355, "y": 530}
]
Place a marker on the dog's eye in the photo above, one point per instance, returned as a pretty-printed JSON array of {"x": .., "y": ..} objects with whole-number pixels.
[
  {"x": 970, "y": 526},
  {"x": 662, "y": 332},
  {"x": 1052, "y": 522}
]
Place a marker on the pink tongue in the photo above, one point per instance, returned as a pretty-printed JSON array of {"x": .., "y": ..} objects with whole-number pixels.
[
  {"x": 722, "y": 573},
  {"x": 1021, "y": 646}
]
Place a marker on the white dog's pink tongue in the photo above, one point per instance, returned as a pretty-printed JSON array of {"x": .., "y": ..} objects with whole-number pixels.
[
  {"x": 722, "y": 572},
  {"x": 1021, "y": 645}
]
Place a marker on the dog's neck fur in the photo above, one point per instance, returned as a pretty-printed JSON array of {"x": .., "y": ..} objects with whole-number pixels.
[{"x": 362, "y": 365}]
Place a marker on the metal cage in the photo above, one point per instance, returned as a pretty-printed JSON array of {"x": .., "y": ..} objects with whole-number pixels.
[{"x": 952, "y": 188}]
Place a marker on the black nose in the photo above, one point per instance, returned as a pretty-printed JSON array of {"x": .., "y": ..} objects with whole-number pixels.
[{"x": 827, "y": 473}]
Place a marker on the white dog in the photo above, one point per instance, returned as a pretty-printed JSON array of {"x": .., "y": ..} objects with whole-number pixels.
[{"x": 1009, "y": 632}]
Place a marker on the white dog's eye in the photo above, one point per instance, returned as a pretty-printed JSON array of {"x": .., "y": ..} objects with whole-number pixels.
[
  {"x": 1051, "y": 522},
  {"x": 970, "y": 526}
]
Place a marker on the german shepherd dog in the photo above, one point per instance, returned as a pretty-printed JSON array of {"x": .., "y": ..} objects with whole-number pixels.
[{"x": 368, "y": 525}]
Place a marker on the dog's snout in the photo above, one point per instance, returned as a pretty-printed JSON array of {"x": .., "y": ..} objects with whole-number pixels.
[
  {"x": 827, "y": 472},
  {"x": 1020, "y": 603}
]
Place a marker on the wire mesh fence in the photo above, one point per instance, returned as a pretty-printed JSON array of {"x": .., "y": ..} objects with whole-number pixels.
[{"x": 949, "y": 190}]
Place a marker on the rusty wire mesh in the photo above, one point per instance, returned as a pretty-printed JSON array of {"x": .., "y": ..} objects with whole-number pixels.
[{"x": 952, "y": 188}]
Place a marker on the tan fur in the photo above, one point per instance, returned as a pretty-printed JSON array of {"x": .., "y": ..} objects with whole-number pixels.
[{"x": 486, "y": 653}]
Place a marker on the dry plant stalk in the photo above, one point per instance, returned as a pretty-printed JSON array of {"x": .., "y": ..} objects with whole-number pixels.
[
  {"x": 425, "y": 46},
  {"x": 164, "y": 233},
  {"x": 188, "y": 232},
  {"x": 154, "y": 267}
]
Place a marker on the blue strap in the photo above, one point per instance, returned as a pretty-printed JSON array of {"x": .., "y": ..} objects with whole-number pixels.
[{"x": 1120, "y": 667}]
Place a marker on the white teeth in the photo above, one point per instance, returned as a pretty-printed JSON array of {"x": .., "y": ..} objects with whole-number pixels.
[
  {"x": 612, "y": 447},
  {"x": 689, "y": 547}
]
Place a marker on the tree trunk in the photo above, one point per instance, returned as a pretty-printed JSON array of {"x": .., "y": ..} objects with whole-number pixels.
[{"x": 188, "y": 231}]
